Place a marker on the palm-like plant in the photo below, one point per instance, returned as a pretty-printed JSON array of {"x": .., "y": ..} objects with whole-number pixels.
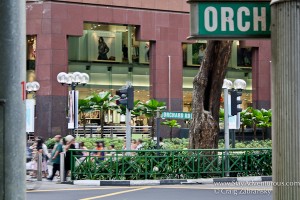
[
  {"x": 150, "y": 109},
  {"x": 104, "y": 101},
  {"x": 246, "y": 119},
  {"x": 137, "y": 109},
  {"x": 256, "y": 118},
  {"x": 83, "y": 108},
  {"x": 264, "y": 120},
  {"x": 172, "y": 124}
]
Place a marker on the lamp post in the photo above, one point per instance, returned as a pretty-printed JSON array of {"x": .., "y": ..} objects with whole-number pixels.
[
  {"x": 73, "y": 80},
  {"x": 239, "y": 86},
  {"x": 31, "y": 88}
]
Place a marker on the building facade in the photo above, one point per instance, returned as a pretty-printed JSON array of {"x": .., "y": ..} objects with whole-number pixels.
[{"x": 147, "y": 46}]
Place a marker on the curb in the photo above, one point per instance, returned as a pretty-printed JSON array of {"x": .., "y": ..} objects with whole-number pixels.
[{"x": 171, "y": 181}]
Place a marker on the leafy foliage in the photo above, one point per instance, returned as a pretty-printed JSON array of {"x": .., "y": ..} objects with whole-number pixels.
[
  {"x": 175, "y": 144},
  {"x": 104, "y": 101},
  {"x": 172, "y": 124},
  {"x": 176, "y": 164},
  {"x": 221, "y": 115},
  {"x": 50, "y": 143},
  {"x": 256, "y": 118},
  {"x": 83, "y": 108},
  {"x": 152, "y": 106},
  {"x": 150, "y": 109},
  {"x": 250, "y": 144}
]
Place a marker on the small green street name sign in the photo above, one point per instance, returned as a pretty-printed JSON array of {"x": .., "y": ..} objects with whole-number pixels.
[
  {"x": 176, "y": 115},
  {"x": 231, "y": 19}
]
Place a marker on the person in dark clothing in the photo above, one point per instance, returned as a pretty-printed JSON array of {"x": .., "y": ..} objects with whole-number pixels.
[
  {"x": 125, "y": 52},
  {"x": 70, "y": 144},
  {"x": 99, "y": 154},
  {"x": 102, "y": 49}
]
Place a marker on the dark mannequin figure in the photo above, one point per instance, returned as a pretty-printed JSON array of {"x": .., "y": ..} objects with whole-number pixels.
[{"x": 102, "y": 49}]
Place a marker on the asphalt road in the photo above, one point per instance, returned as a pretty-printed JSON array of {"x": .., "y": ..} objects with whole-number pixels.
[{"x": 176, "y": 192}]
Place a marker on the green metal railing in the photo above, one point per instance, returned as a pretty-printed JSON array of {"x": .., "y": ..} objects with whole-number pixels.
[{"x": 169, "y": 164}]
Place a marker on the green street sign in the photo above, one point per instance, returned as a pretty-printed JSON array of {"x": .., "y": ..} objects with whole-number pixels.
[
  {"x": 176, "y": 115},
  {"x": 234, "y": 19}
]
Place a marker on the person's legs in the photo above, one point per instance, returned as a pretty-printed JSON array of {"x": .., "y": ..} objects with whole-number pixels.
[
  {"x": 50, "y": 168},
  {"x": 56, "y": 167}
]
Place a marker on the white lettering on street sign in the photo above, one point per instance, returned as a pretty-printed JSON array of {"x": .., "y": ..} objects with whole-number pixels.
[{"x": 223, "y": 19}]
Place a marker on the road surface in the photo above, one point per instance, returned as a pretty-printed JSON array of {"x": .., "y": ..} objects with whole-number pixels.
[{"x": 53, "y": 191}]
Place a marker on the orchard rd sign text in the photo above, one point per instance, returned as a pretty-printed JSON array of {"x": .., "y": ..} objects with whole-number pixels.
[
  {"x": 176, "y": 115},
  {"x": 230, "y": 19}
]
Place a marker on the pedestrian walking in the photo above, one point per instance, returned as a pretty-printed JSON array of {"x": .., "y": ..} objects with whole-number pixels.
[
  {"x": 55, "y": 157},
  {"x": 139, "y": 144},
  {"x": 70, "y": 144},
  {"x": 83, "y": 147},
  {"x": 133, "y": 144},
  {"x": 42, "y": 148}
]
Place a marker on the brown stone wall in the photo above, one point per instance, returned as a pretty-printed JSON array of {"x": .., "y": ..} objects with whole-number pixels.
[
  {"x": 168, "y": 5},
  {"x": 53, "y": 22},
  {"x": 261, "y": 72}
]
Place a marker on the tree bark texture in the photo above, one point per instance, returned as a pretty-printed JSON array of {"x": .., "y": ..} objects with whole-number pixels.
[
  {"x": 207, "y": 89},
  {"x": 102, "y": 113}
]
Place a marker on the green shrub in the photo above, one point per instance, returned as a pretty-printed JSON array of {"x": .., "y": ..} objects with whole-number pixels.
[
  {"x": 176, "y": 144},
  {"x": 50, "y": 143},
  {"x": 248, "y": 144},
  {"x": 175, "y": 165}
]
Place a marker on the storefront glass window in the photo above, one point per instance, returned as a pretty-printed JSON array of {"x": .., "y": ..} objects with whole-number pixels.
[
  {"x": 111, "y": 55},
  {"x": 110, "y": 44},
  {"x": 30, "y": 57},
  {"x": 244, "y": 57}
]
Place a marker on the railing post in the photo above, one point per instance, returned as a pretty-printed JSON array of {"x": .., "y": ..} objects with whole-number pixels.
[
  {"x": 116, "y": 163},
  {"x": 223, "y": 163},
  {"x": 111, "y": 133},
  {"x": 157, "y": 129},
  {"x": 72, "y": 165},
  {"x": 247, "y": 158},
  {"x": 39, "y": 166},
  {"x": 62, "y": 167}
]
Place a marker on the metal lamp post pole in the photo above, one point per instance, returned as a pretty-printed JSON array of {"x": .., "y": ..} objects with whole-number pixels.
[
  {"x": 74, "y": 106},
  {"x": 226, "y": 130},
  {"x": 128, "y": 124},
  {"x": 128, "y": 130}
]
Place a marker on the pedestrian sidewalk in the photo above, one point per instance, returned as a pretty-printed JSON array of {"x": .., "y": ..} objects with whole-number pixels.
[{"x": 170, "y": 181}]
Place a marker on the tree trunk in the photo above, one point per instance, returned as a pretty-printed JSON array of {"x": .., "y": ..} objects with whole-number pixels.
[
  {"x": 243, "y": 132},
  {"x": 102, "y": 122},
  {"x": 207, "y": 89},
  {"x": 171, "y": 135},
  {"x": 84, "y": 124},
  {"x": 84, "y": 134},
  {"x": 254, "y": 131},
  {"x": 153, "y": 126}
]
